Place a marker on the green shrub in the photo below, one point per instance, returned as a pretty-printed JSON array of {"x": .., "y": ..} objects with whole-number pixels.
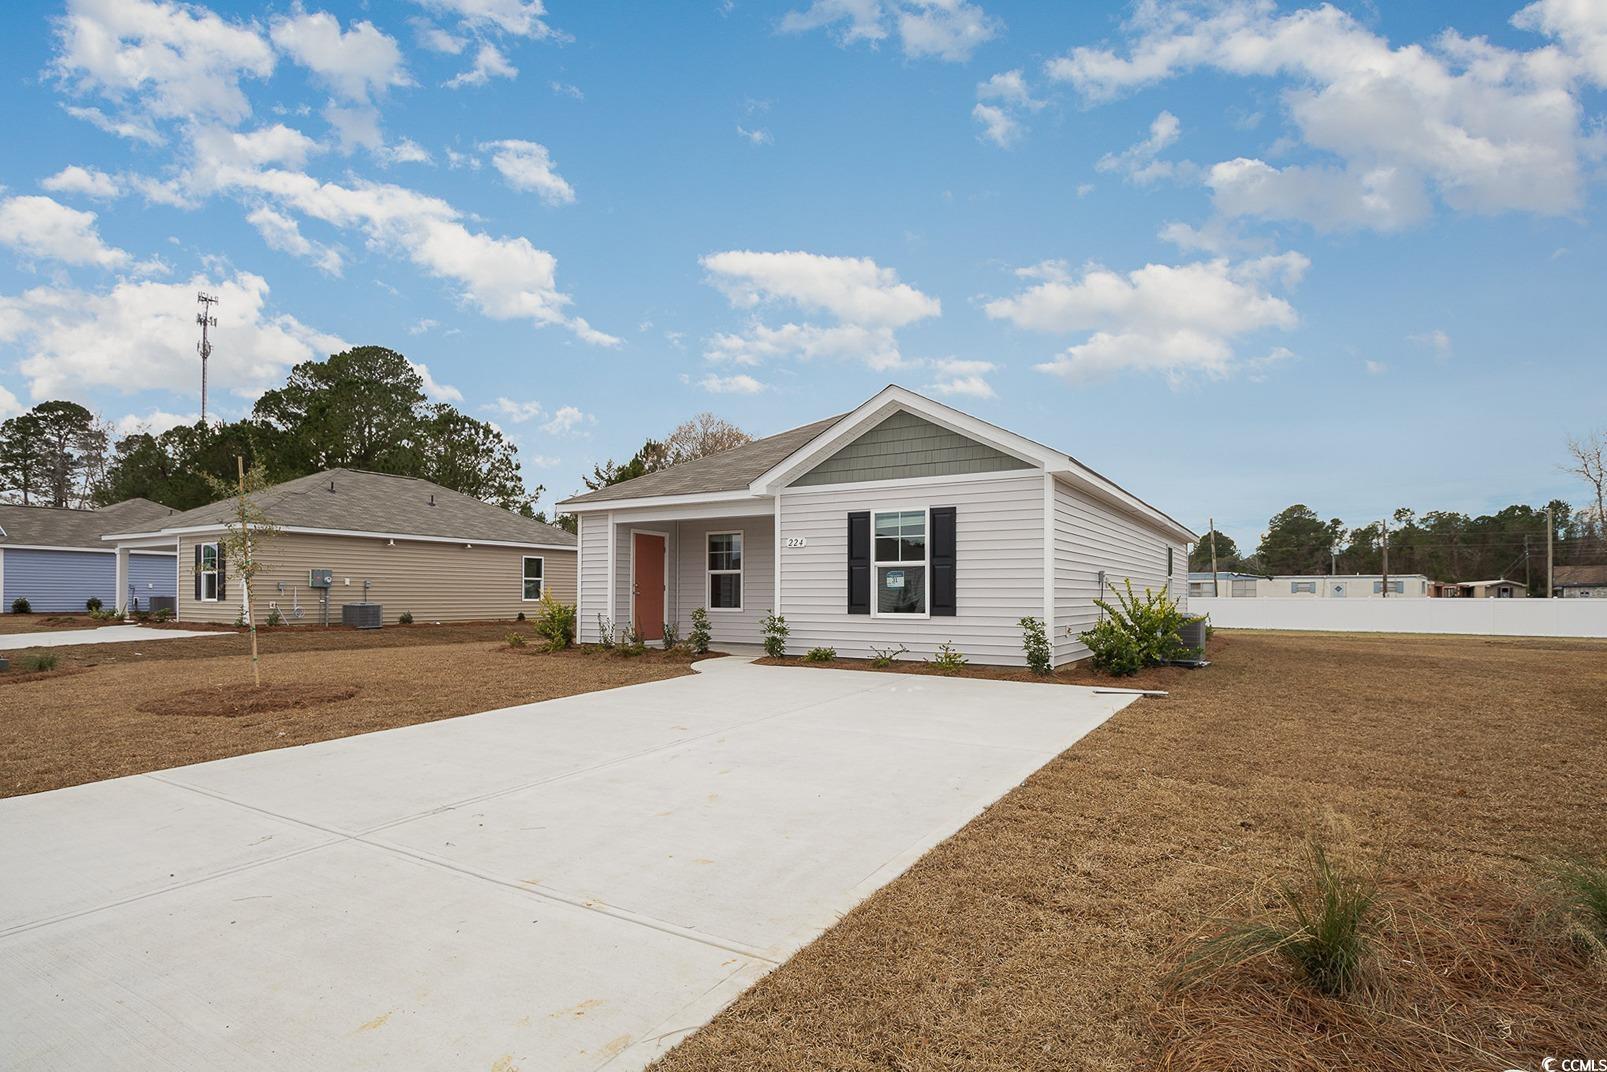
[
  {"x": 1135, "y": 633},
  {"x": 163, "y": 615},
  {"x": 885, "y": 657},
  {"x": 775, "y": 635},
  {"x": 699, "y": 640},
  {"x": 92, "y": 604},
  {"x": 633, "y": 643},
  {"x": 1583, "y": 888},
  {"x": 1327, "y": 937},
  {"x": 516, "y": 640},
  {"x": 948, "y": 659},
  {"x": 405, "y": 618},
  {"x": 20, "y": 605},
  {"x": 605, "y": 632},
  {"x": 274, "y": 617},
  {"x": 671, "y": 637},
  {"x": 47, "y": 661},
  {"x": 820, "y": 655},
  {"x": 1040, "y": 657},
  {"x": 556, "y": 621}
]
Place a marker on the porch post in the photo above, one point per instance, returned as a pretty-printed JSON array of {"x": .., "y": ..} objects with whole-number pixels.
[
  {"x": 776, "y": 566},
  {"x": 120, "y": 592},
  {"x": 613, "y": 604}
]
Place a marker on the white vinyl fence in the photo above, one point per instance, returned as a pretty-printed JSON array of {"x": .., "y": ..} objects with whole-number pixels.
[{"x": 1487, "y": 617}]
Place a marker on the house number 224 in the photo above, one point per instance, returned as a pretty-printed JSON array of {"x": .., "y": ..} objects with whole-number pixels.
[{"x": 795, "y": 541}]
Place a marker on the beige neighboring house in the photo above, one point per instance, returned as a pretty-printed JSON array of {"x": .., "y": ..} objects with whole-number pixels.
[
  {"x": 1500, "y": 588},
  {"x": 406, "y": 544},
  {"x": 1579, "y": 582}
]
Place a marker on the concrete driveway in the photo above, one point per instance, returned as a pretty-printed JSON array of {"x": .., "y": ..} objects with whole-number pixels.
[
  {"x": 106, "y": 634},
  {"x": 564, "y": 885}
]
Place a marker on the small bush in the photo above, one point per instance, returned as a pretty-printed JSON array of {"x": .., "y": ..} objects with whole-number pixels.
[
  {"x": 20, "y": 605},
  {"x": 143, "y": 616},
  {"x": 274, "y": 617},
  {"x": 1135, "y": 632},
  {"x": 605, "y": 632},
  {"x": 92, "y": 604},
  {"x": 556, "y": 622},
  {"x": 46, "y": 661},
  {"x": 948, "y": 659},
  {"x": 885, "y": 657},
  {"x": 775, "y": 635},
  {"x": 405, "y": 618},
  {"x": 699, "y": 640},
  {"x": 1327, "y": 938},
  {"x": 516, "y": 640},
  {"x": 671, "y": 637},
  {"x": 163, "y": 615},
  {"x": 1040, "y": 657},
  {"x": 820, "y": 655},
  {"x": 632, "y": 643},
  {"x": 1582, "y": 885}
]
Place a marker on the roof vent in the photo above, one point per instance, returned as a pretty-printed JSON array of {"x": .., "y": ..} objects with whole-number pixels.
[
  {"x": 331, "y": 487},
  {"x": 432, "y": 498}
]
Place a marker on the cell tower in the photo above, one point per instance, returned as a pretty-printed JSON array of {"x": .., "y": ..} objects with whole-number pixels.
[{"x": 204, "y": 347}]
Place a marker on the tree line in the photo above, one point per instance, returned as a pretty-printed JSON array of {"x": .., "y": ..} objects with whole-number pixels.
[{"x": 365, "y": 408}]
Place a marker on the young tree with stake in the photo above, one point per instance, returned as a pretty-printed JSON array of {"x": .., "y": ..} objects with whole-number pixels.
[{"x": 242, "y": 542}]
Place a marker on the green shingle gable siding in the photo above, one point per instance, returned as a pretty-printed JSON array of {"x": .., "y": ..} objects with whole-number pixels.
[{"x": 904, "y": 446}]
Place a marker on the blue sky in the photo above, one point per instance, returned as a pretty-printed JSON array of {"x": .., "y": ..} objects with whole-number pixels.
[{"x": 1234, "y": 255}]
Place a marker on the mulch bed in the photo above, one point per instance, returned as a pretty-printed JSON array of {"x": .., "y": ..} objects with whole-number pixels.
[
  {"x": 1078, "y": 673},
  {"x": 1046, "y": 935},
  {"x": 45, "y": 623}
]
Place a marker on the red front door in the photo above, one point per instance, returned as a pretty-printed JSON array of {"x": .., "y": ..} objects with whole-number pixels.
[{"x": 647, "y": 595}]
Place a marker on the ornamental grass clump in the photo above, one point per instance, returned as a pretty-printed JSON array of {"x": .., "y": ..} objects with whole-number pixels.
[{"x": 1326, "y": 937}]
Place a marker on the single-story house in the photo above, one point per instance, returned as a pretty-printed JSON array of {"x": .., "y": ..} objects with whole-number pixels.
[
  {"x": 1500, "y": 588},
  {"x": 1579, "y": 582},
  {"x": 57, "y": 561},
  {"x": 1225, "y": 584},
  {"x": 1313, "y": 586},
  {"x": 904, "y": 522},
  {"x": 350, "y": 536}
]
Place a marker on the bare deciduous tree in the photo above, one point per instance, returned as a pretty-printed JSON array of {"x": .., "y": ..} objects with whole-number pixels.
[
  {"x": 703, "y": 435},
  {"x": 1588, "y": 456}
]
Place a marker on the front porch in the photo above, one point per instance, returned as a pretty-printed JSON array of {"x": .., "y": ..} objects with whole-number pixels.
[{"x": 660, "y": 568}]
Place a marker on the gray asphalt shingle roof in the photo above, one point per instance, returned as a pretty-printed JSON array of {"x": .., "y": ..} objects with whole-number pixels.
[
  {"x": 729, "y": 470},
  {"x": 46, "y": 526},
  {"x": 377, "y": 502}
]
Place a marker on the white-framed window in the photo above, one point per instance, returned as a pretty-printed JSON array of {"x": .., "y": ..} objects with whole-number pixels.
[
  {"x": 209, "y": 573},
  {"x": 725, "y": 570},
  {"x": 1243, "y": 589},
  {"x": 1296, "y": 587},
  {"x": 534, "y": 570},
  {"x": 899, "y": 561}
]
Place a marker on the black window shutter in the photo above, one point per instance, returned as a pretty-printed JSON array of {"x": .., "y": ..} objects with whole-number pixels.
[
  {"x": 942, "y": 549},
  {"x": 859, "y": 562},
  {"x": 222, "y": 592},
  {"x": 198, "y": 573}
]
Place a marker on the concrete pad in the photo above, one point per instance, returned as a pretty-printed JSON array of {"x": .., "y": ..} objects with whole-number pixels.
[
  {"x": 106, "y": 634},
  {"x": 560, "y": 885}
]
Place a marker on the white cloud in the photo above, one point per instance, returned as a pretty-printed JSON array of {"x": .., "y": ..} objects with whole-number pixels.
[
  {"x": 422, "y": 326},
  {"x": 154, "y": 423},
  {"x": 526, "y": 165},
  {"x": 170, "y": 60},
  {"x": 998, "y": 125},
  {"x": 1001, "y": 100},
  {"x": 133, "y": 129},
  {"x": 945, "y": 29},
  {"x": 436, "y": 39},
  {"x": 1436, "y": 340},
  {"x": 140, "y": 335},
  {"x": 739, "y": 384},
  {"x": 1173, "y": 319},
  {"x": 215, "y": 148},
  {"x": 516, "y": 412},
  {"x": 760, "y": 136},
  {"x": 1140, "y": 161},
  {"x": 406, "y": 151},
  {"x": 356, "y": 126},
  {"x": 443, "y": 392},
  {"x": 866, "y": 300},
  {"x": 521, "y": 18},
  {"x": 1487, "y": 129},
  {"x": 489, "y": 63},
  {"x": 565, "y": 89},
  {"x": 1375, "y": 368},
  {"x": 86, "y": 182},
  {"x": 959, "y": 377},
  {"x": 9, "y": 404},
  {"x": 43, "y": 227},
  {"x": 357, "y": 64},
  {"x": 566, "y": 420},
  {"x": 284, "y": 234}
]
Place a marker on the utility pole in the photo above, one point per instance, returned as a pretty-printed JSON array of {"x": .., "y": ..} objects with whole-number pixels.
[
  {"x": 1551, "y": 529},
  {"x": 1385, "y": 525},
  {"x": 1526, "y": 564},
  {"x": 204, "y": 347},
  {"x": 1216, "y": 584}
]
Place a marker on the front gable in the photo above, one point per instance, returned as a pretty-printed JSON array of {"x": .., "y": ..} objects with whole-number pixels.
[{"x": 903, "y": 446}]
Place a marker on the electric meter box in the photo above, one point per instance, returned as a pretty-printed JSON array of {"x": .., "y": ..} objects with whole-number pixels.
[{"x": 320, "y": 578}]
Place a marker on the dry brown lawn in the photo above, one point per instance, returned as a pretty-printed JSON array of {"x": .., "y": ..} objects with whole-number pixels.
[
  {"x": 1044, "y": 935},
  {"x": 116, "y": 709},
  {"x": 45, "y": 623}
]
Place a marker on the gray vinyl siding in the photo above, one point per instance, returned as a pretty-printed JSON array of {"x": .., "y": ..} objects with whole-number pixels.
[
  {"x": 150, "y": 575},
  {"x": 593, "y": 584},
  {"x": 59, "y": 581},
  {"x": 998, "y": 568},
  {"x": 689, "y": 587},
  {"x": 1091, "y": 536},
  {"x": 905, "y": 446}
]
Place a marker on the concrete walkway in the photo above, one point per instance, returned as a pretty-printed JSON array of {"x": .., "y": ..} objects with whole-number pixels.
[
  {"x": 106, "y": 634},
  {"x": 559, "y": 886}
]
